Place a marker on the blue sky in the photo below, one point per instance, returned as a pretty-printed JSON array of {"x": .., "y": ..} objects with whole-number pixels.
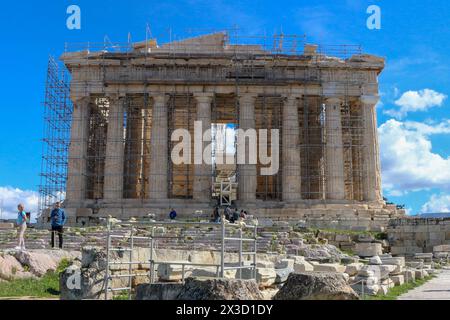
[{"x": 413, "y": 113}]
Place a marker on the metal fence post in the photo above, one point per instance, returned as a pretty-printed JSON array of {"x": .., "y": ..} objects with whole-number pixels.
[
  {"x": 108, "y": 244},
  {"x": 130, "y": 267},
  {"x": 240, "y": 253},
  {"x": 222, "y": 253}
]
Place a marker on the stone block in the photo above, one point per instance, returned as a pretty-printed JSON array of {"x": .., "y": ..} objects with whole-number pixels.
[
  {"x": 399, "y": 261},
  {"x": 329, "y": 267},
  {"x": 376, "y": 260},
  {"x": 282, "y": 274},
  {"x": 6, "y": 226},
  {"x": 398, "y": 279},
  {"x": 304, "y": 266},
  {"x": 285, "y": 263},
  {"x": 368, "y": 249},
  {"x": 441, "y": 248},
  {"x": 173, "y": 272},
  {"x": 409, "y": 275},
  {"x": 265, "y": 277},
  {"x": 352, "y": 269}
]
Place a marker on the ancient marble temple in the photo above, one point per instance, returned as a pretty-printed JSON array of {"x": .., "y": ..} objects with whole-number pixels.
[{"x": 127, "y": 104}]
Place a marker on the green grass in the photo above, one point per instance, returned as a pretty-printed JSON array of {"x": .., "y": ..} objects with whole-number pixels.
[
  {"x": 44, "y": 287},
  {"x": 395, "y": 292}
]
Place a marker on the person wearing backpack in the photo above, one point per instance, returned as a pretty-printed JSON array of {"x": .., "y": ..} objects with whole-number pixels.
[
  {"x": 22, "y": 224},
  {"x": 58, "y": 219}
]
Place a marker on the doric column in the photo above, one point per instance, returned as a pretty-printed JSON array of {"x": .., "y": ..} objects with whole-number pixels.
[
  {"x": 77, "y": 166},
  {"x": 291, "y": 150},
  {"x": 203, "y": 172},
  {"x": 247, "y": 172},
  {"x": 372, "y": 181},
  {"x": 134, "y": 151},
  {"x": 158, "y": 176},
  {"x": 113, "y": 181},
  {"x": 334, "y": 175}
]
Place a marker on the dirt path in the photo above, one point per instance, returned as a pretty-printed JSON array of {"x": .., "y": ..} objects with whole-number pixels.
[{"x": 436, "y": 289}]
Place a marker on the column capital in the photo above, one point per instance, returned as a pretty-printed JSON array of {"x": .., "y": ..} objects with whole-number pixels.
[
  {"x": 160, "y": 98},
  {"x": 115, "y": 97},
  {"x": 333, "y": 100},
  {"x": 290, "y": 98},
  {"x": 372, "y": 100},
  {"x": 204, "y": 97},
  {"x": 247, "y": 97},
  {"x": 81, "y": 100}
]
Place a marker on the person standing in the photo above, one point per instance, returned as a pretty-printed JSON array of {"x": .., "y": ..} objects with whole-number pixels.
[
  {"x": 58, "y": 219},
  {"x": 172, "y": 214},
  {"x": 22, "y": 225}
]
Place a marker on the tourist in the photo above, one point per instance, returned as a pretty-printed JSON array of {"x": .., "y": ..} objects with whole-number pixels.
[
  {"x": 57, "y": 219},
  {"x": 228, "y": 213},
  {"x": 216, "y": 215},
  {"x": 22, "y": 226},
  {"x": 243, "y": 214},
  {"x": 172, "y": 214},
  {"x": 235, "y": 215}
]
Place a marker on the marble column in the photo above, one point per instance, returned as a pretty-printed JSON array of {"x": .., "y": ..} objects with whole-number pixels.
[
  {"x": 158, "y": 176},
  {"x": 372, "y": 167},
  {"x": 203, "y": 172},
  {"x": 113, "y": 181},
  {"x": 334, "y": 173},
  {"x": 77, "y": 162},
  {"x": 291, "y": 150},
  {"x": 247, "y": 172}
]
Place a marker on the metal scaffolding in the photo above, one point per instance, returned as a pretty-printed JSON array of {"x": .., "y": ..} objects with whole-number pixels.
[
  {"x": 258, "y": 60},
  {"x": 56, "y": 139}
]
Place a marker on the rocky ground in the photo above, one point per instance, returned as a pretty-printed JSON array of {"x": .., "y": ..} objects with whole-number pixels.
[{"x": 335, "y": 264}]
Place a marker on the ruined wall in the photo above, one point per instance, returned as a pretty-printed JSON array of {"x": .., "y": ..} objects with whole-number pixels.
[{"x": 414, "y": 235}]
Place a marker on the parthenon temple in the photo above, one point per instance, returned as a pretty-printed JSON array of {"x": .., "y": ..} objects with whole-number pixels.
[{"x": 127, "y": 105}]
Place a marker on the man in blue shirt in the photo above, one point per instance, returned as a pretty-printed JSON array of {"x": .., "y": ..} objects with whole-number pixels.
[{"x": 57, "y": 219}]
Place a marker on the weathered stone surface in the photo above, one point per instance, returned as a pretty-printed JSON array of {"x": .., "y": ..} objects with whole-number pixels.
[
  {"x": 285, "y": 263},
  {"x": 419, "y": 274},
  {"x": 409, "y": 275},
  {"x": 376, "y": 260},
  {"x": 11, "y": 269},
  {"x": 353, "y": 268},
  {"x": 368, "y": 249},
  {"x": 158, "y": 291},
  {"x": 380, "y": 271},
  {"x": 219, "y": 289},
  {"x": 321, "y": 253},
  {"x": 398, "y": 279},
  {"x": 6, "y": 226},
  {"x": 90, "y": 286},
  {"x": 265, "y": 277},
  {"x": 329, "y": 267},
  {"x": 265, "y": 264},
  {"x": 173, "y": 272},
  {"x": 282, "y": 274},
  {"x": 93, "y": 257},
  {"x": 303, "y": 267},
  {"x": 442, "y": 248},
  {"x": 316, "y": 286},
  {"x": 42, "y": 261}
]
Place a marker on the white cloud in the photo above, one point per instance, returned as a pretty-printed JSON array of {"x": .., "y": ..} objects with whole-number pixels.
[
  {"x": 408, "y": 163},
  {"x": 412, "y": 101},
  {"x": 437, "y": 204},
  {"x": 10, "y": 197}
]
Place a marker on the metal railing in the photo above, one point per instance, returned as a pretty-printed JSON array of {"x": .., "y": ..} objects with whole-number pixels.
[{"x": 152, "y": 238}]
